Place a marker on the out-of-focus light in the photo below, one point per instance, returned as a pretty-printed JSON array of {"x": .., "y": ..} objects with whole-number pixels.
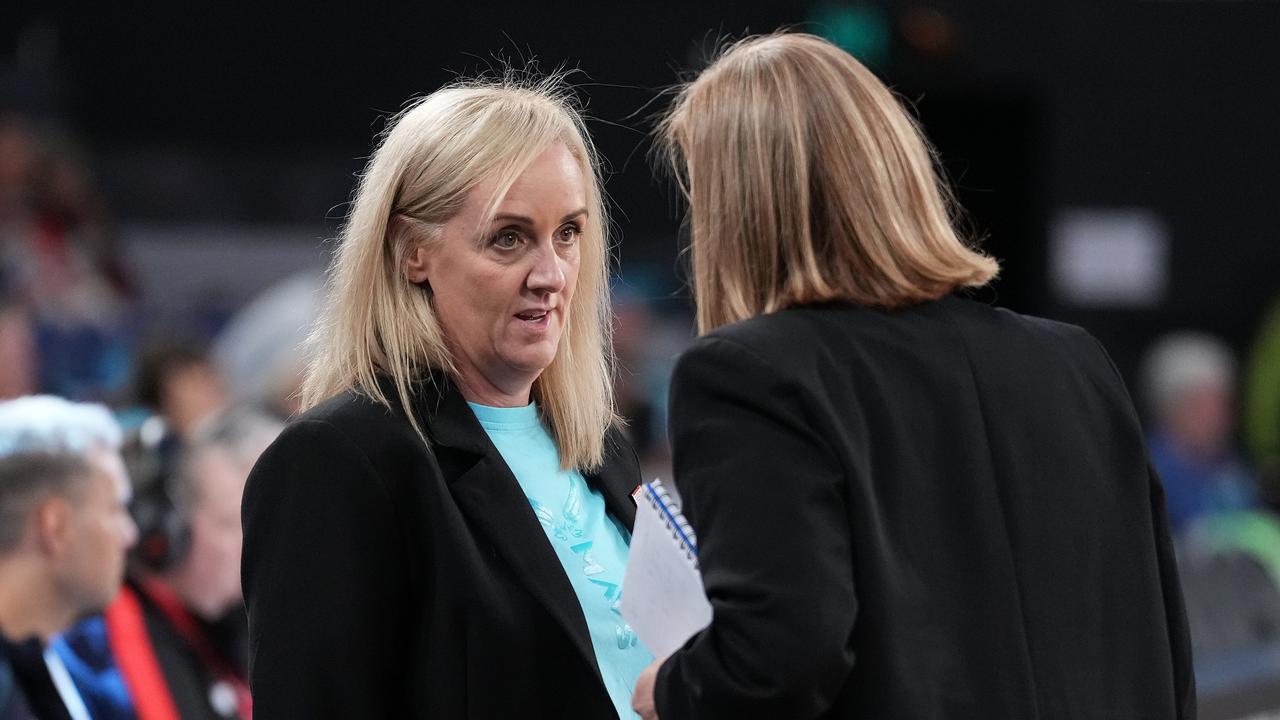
[
  {"x": 152, "y": 431},
  {"x": 1109, "y": 257},
  {"x": 863, "y": 30},
  {"x": 928, "y": 31}
]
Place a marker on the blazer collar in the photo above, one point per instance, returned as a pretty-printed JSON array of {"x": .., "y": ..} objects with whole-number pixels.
[
  {"x": 618, "y": 477},
  {"x": 451, "y": 424},
  {"x": 488, "y": 493},
  {"x": 446, "y": 416}
]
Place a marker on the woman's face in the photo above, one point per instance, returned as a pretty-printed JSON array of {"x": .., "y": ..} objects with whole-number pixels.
[{"x": 502, "y": 291}]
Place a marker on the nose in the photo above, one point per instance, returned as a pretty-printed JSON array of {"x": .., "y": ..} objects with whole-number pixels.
[
  {"x": 130, "y": 532},
  {"x": 547, "y": 273}
]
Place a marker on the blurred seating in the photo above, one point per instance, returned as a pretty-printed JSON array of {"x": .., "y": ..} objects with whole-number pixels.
[{"x": 1230, "y": 569}]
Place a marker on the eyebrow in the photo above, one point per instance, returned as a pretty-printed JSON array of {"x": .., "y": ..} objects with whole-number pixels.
[{"x": 526, "y": 220}]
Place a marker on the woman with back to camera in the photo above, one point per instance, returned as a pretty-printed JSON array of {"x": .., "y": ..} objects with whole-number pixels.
[
  {"x": 443, "y": 532},
  {"x": 908, "y": 504}
]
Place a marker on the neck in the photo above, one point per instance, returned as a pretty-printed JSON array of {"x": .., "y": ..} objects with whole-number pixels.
[
  {"x": 479, "y": 389},
  {"x": 28, "y": 606}
]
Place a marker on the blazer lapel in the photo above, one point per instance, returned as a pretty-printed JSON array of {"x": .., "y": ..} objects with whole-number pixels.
[
  {"x": 488, "y": 493},
  {"x": 617, "y": 478}
]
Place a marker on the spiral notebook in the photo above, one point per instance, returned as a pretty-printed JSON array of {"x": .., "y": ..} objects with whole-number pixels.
[{"x": 662, "y": 598}]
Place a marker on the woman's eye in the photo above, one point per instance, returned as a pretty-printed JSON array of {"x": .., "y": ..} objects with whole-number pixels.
[
  {"x": 570, "y": 233},
  {"x": 505, "y": 240}
]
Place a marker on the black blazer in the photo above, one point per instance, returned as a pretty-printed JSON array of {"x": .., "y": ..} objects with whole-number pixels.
[
  {"x": 190, "y": 675},
  {"x": 26, "y": 690},
  {"x": 386, "y": 579},
  {"x": 941, "y": 512}
]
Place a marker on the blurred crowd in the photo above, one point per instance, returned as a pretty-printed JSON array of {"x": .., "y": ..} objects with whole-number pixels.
[
  {"x": 192, "y": 410},
  {"x": 166, "y": 636},
  {"x": 1222, "y": 494},
  {"x": 100, "y": 396}
]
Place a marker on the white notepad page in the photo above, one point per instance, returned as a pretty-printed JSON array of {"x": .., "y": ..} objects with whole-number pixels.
[{"x": 662, "y": 595}]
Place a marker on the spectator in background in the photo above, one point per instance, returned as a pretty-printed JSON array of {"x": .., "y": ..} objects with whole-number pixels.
[
  {"x": 1190, "y": 383},
  {"x": 64, "y": 530},
  {"x": 19, "y": 362},
  {"x": 177, "y": 380},
  {"x": 260, "y": 350},
  {"x": 634, "y": 387},
  {"x": 18, "y": 151},
  {"x": 172, "y": 645},
  {"x": 647, "y": 343},
  {"x": 59, "y": 257},
  {"x": 18, "y": 374}
]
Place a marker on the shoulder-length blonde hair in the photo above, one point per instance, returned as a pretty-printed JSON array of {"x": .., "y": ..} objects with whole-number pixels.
[
  {"x": 808, "y": 182},
  {"x": 431, "y": 156}
]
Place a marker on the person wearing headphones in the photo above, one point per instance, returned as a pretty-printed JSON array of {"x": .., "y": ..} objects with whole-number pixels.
[{"x": 172, "y": 644}]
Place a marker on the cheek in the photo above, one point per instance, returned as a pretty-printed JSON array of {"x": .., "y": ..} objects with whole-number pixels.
[
  {"x": 466, "y": 308},
  {"x": 571, "y": 270},
  {"x": 474, "y": 321},
  {"x": 109, "y": 530}
]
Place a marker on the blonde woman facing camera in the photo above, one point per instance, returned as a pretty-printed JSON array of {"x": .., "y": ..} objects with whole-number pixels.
[
  {"x": 443, "y": 532},
  {"x": 908, "y": 504}
]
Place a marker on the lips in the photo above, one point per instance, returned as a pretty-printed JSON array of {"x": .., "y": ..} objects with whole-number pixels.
[{"x": 533, "y": 316}]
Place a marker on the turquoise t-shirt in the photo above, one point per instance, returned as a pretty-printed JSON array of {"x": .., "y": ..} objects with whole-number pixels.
[{"x": 590, "y": 544}]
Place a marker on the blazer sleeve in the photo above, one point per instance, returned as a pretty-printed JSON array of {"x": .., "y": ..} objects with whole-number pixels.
[
  {"x": 323, "y": 589},
  {"x": 1184, "y": 684},
  {"x": 766, "y": 499}
]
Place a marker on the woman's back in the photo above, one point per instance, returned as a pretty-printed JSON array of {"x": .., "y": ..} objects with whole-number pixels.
[{"x": 944, "y": 511}]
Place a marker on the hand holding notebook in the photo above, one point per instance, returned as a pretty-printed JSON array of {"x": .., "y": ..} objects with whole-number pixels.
[{"x": 663, "y": 599}]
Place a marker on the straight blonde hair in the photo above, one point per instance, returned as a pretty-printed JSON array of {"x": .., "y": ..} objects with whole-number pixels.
[
  {"x": 808, "y": 182},
  {"x": 376, "y": 322}
]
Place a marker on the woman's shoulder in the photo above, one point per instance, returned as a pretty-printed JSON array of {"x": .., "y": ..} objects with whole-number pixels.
[
  {"x": 782, "y": 338},
  {"x": 1000, "y": 330},
  {"x": 350, "y": 408},
  {"x": 782, "y": 331},
  {"x": 760, "y": 335},
  {"x": 351, "y": 429},
  {"x": 769, "y": 346},
  {"x": 359, "y": 418},
  {"x": 777, "y": 331},
  {"x": 329, "y": 459},
  {"x": 811, "y": 340}
]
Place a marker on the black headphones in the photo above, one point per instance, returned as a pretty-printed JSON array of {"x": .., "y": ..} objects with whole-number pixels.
[{"x": 164, "y": 535}]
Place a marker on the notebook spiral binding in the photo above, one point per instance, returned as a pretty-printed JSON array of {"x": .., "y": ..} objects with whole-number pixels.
[{"x": 658, "y": 497}]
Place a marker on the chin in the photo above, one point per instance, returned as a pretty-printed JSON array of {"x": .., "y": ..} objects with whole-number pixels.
[
  {"x": 531, "y": 369},
  {"x": 532, "y": 360},
  {"x": 90, "y": 606}
]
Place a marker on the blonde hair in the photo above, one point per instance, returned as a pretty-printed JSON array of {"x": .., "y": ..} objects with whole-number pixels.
[
  {"x": 808, "y": 182},
  {"x": 375, "y": 321}
]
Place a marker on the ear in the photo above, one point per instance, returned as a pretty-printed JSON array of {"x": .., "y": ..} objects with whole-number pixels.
[
  {"x": 415, "y": 266},
  {"x": 53, "y": 525}
]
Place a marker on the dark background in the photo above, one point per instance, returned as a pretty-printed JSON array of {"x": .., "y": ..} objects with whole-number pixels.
[{"x": 263, "y": 114}]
